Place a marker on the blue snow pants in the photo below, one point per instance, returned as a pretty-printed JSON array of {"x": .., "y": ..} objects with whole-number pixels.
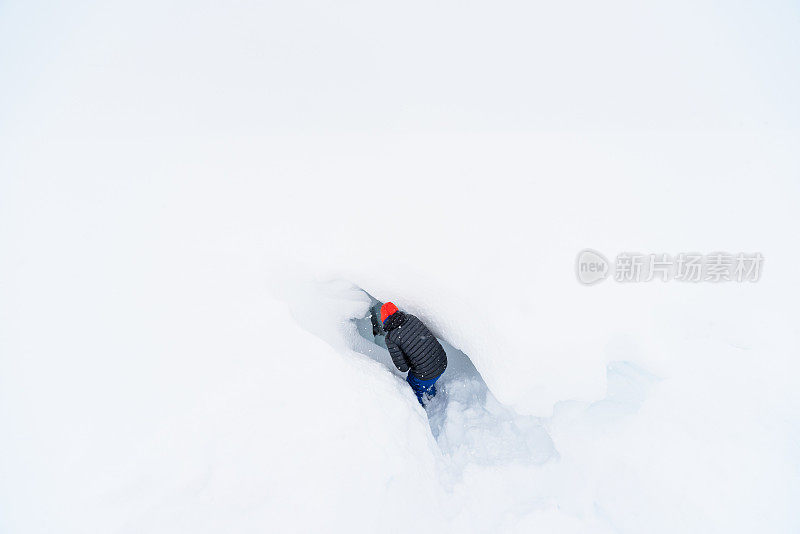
[{"x": 422, "y": 387}]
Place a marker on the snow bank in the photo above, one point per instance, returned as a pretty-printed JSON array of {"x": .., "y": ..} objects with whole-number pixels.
[{"x": 203, "y": 418}]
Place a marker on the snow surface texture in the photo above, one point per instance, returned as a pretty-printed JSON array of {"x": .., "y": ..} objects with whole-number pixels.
[{"x": 196, "y": 200}]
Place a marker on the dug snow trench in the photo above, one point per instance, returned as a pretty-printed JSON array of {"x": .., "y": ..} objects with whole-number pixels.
[
  {"x": 467, "y": 421},
  {"x": 469, "y": 424}
]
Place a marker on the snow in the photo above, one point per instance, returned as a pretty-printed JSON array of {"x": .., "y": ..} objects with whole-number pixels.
[{"x": 197, "y": 203}]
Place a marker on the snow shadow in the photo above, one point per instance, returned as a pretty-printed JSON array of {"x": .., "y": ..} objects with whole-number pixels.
[{"x": 465, "y": 418}]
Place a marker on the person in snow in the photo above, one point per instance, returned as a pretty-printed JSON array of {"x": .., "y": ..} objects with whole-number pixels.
[{"x": 414, "y": 349}]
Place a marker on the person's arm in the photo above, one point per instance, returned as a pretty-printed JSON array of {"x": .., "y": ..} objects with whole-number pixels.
[{"x": 398, "y": 357}]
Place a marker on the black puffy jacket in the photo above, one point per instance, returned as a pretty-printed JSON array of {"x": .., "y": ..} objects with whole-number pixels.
[{"x": 413, "y": 347}]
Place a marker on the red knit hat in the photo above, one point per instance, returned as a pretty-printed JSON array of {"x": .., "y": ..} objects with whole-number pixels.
[{"x": 386, "y": 310}]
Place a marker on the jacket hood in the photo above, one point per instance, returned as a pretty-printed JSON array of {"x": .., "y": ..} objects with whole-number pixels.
[{"x": 394, "y": 320}]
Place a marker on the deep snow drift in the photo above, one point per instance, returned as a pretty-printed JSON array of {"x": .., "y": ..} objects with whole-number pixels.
[
  {"x": 154, "y": 379},
  {"x": 196, "y": 200}
]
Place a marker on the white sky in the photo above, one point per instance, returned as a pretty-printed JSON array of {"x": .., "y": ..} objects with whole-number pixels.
[{"x": 126, "y": 68}]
